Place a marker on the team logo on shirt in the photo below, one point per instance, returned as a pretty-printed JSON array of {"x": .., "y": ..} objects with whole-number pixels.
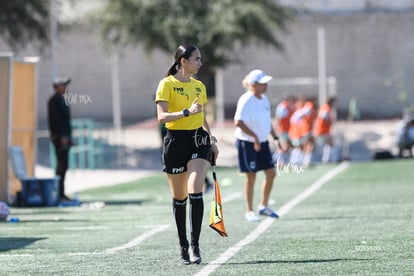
[{"x": 179, "y": 90}]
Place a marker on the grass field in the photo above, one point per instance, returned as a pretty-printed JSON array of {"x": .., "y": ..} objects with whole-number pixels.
[{"x": 360, "y": 222}]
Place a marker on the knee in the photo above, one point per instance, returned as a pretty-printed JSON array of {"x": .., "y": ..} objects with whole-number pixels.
[
  {"x": 251, "y": 178},
  {"x": 270, "y": 174}
]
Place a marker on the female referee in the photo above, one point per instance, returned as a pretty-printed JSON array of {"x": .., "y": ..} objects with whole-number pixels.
[{"x": 188, "y": 146}]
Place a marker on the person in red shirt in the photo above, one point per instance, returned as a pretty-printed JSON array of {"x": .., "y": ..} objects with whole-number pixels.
[
  {"x": 295, "y": 132},
  {"x": 295, "y": 124},
  {"x": 283, "y": 113},
  {"x": 322, "y": 129},
  {"x": 309, "y": 115}
]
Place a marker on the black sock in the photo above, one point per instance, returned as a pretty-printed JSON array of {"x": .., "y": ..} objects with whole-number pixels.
[
  {"x": 196, "y": 216},
  {"x": 179, "y": 212}
]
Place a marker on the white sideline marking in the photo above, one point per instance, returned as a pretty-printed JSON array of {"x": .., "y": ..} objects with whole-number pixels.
[
  {"x": 112, "y": 250},
  {"x": 16, "y": 255},
  {"x": 313, "y": 188},
  {"x": 137, "y": 240},
  {"x": 129, "y": 244},
  {"x": 231, "y": 197},
  {"x": 263, "y": 226},
  {"x": 85, "y": 228}
]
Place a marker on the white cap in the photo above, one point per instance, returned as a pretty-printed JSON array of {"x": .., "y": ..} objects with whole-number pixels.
[
  {"x": 258, "y": 76},
  {"x": 61, "y": 80}
]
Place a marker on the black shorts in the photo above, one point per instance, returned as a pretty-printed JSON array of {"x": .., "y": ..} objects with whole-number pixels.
[
  {"x": 251, "y": 160},
  {"x": 181, "y": 146}
]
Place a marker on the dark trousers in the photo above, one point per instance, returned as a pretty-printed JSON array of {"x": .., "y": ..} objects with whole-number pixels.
[{"x": 62, "y": 156}]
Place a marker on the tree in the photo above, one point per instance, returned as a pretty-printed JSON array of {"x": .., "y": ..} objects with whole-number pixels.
[
  {"x": 217, "y": 27},
  {"x": 23, "y": 21}
]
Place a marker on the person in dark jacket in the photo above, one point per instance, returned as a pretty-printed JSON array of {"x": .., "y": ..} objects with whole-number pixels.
[{"x": 60, "y": 129}]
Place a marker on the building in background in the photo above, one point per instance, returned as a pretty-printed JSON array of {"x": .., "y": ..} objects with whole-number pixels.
[{"x": 369, "y": 46}]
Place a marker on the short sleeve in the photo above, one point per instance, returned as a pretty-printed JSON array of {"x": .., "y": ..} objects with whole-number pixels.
[
  {"x": 242, "y": 109},
  {"x": 162, "y": 92},
  {"x": 204, "y": 94}
]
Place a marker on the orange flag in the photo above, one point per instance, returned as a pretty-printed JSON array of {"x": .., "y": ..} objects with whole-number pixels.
[{"x": 216, "y": 212}]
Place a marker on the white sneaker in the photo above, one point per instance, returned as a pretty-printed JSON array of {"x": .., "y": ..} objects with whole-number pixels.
[{"x": 252, "y": 217}]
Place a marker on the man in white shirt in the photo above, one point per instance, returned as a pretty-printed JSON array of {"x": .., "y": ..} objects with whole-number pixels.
[{"x": 254, "y": 124}]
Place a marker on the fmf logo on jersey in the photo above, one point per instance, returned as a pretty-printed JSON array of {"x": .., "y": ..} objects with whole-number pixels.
[
  {"x": 198, "y": 89},
  {"x": 180, "y": 90},
  {"x": 178, "y": 170}
]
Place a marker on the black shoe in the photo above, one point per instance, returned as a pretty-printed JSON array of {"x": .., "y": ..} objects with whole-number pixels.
[
  {"x": 185, "y": 258},
  {"x": 195, "y": 256}
]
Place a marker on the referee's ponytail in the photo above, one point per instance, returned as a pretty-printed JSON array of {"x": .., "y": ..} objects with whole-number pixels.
[
  {"x": 173, "y": 69},
  {"x": 183, "y": 51}
]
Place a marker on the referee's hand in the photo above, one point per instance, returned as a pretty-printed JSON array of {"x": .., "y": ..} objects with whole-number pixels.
[
  {"x": 195, "y": 106},
  {"x": 214, "y": 154}
]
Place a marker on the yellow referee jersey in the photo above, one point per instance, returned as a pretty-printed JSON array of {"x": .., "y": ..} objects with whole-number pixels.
[{"x": 179, "y": 96}]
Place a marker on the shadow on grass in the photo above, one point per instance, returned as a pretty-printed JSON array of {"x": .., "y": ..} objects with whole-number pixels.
[
  {"x": 11, "y": 243},
  {"x": 298, "y": 261}
]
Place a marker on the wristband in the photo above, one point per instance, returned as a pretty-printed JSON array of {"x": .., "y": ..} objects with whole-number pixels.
[
  {"x": 186, "y": 112},
  {"x": 276, "y": 138}
]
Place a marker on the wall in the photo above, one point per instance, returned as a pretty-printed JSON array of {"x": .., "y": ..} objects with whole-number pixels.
[{"x": 364, "y": 49}]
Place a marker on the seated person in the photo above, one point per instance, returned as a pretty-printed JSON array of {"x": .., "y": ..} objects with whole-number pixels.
[{"x": 405, "y": 135}]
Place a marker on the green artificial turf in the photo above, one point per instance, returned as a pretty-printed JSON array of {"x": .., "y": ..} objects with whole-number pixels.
[{"x": 358, "y": 223}]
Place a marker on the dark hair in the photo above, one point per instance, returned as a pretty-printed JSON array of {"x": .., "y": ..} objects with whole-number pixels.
[
  {"x": 183, "y": 51},
  {"x": 331, "y": 100}
]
